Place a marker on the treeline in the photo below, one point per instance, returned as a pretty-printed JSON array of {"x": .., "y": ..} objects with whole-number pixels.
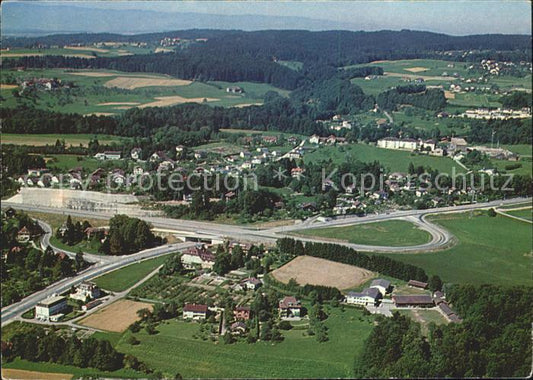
[
  {"x": 317, "y": 293},
  {"x": 194, "y": 64},
  {"x": 128, "y": 235},
  {"x": 35, "y": 344},
  {"x": 510, "y": 131},
  {"x": 345, "y": 255},
  {"x": 339, "y": 47},
  {"x": 333, "y": 96},
  {"x": 516, "y": 100},
  {"x": 431, "y": 99},
  {"x": 494, "y": 340}
]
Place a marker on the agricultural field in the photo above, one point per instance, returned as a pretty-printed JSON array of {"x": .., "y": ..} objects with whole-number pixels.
[
  {"x": 393, "y": 160},
  {"x": 175, "y": 350},
  {"x": 525, "y": 168},
  {"x": 124, "y": 278},
  {"x": 115, "y": 317},
  {"x": 45, "y": 369},
  {"x": 484, "y": 254},
  {"x": 429, "y": 122},
  {"x": 475, "y": 100},
  {"x": 394, "y": 233},
  {"x": 78, "y": 51},
  {"x": 9, "y": 373},
  {"x": 50, "y": 139},
  {"x": 65, "y": 162},
  {"x": 315, "y": 271},
  {"x": 108, "y": 92}
]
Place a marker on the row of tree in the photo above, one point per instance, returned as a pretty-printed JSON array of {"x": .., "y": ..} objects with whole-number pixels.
[{"x": 36, "y": 344}]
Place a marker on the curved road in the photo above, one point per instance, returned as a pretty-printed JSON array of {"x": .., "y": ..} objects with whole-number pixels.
[{"x": 440, "y": 239}]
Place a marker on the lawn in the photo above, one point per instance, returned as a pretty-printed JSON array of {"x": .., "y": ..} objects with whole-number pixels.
[
  {"x": 77, "y": 372},
  {"x": 65, "y": 162},
  {"x": 394, "y": 233},
  {"x": 524, "y": 214},
  {"x": 489, "y": 251},
  {"x": 50, "y": 139},
  {"x": 394, "y": 160},
  {"x": 122, "y": 279},
  {"x": 174, "y": 350},
  {"x": 525, "y": 169},
  {"x": 86, "y": 246},
  {"x": 94, "y": 91}
]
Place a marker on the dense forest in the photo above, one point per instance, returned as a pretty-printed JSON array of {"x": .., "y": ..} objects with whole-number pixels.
[
  {"x": 494, "y": 339},
  {"x": 35, "y": 344},
  {"x": 128, "y": 235}
]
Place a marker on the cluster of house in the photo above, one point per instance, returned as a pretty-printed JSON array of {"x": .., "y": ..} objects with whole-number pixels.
[
  {"x": 499, "y": 113},
  {"x": 329, "y": 140},
  {"x": 174, "y": 41},
  {"x": 378, "y": 288},
  {"x": 52, "y": 308},
  {"x": 41, "y": 84}
]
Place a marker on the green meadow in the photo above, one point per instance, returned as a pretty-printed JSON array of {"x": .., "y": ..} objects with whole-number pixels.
[
  {"x": 393, "y": 160},
  {"x": 484, "y": 253},
  {"x": 124, "y": 278},
  {"x": 174, "y": 350},
  {"x": 394, "y": 233}
]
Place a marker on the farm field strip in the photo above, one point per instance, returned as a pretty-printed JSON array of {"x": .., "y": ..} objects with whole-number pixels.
[
  {"x": 115, "y": 317},
  {"x": 317, "y": 271}
]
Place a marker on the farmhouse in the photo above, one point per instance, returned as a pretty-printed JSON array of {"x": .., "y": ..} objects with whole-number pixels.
[
  {"x": 242, "y": 312},
  {"x": 198, "y": 255},
  {"x": 234, "y": 90},
  {"x": 194, "y": 311},
  {"x": 290, "y": 308},
  {"x": 368, "y": 296},
  {"x": 417, "y": 284},
  {"x": 50, "y": 307},
  {"x": 413, "y": 301},
  {"x": 108, "y": 155},
  {"x": 86, "y": 290},
  {"x": 457, "y": 144},
  {"x": 382, "y": 285}
]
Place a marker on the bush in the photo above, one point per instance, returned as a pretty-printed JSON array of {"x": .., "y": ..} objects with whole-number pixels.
[
  {"x": 491, "y": 212},
  {"x": 284, "y": 325}
]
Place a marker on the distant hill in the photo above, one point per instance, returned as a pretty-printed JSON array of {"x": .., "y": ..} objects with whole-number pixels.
[{"x": 29, "y": 19}]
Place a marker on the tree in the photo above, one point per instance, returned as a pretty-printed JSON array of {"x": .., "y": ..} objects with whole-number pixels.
[
  {"x": 222, "y": 263},
  {"x": 491, "y": 212},
  {"x": 435, "y": 283}
]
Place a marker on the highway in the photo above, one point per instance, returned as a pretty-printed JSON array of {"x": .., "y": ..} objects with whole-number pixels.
[{"x": 440, "y": 238}]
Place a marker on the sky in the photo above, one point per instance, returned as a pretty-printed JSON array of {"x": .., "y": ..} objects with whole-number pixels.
[{"x": 451, "y": 17}]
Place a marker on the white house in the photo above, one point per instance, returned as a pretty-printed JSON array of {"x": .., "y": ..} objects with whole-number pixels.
[
  {"x": 395, "y": 143},
  {"x": 85, "y": 291},
  {"x": 368, "y": 296},
  {"x": 194, "y": 311},
  {"x": 50, "y": 307},
  {"x": 108, "y": 155},
  {"x": 382, "y": 285},
  {"x": 290, "y": 308}
]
